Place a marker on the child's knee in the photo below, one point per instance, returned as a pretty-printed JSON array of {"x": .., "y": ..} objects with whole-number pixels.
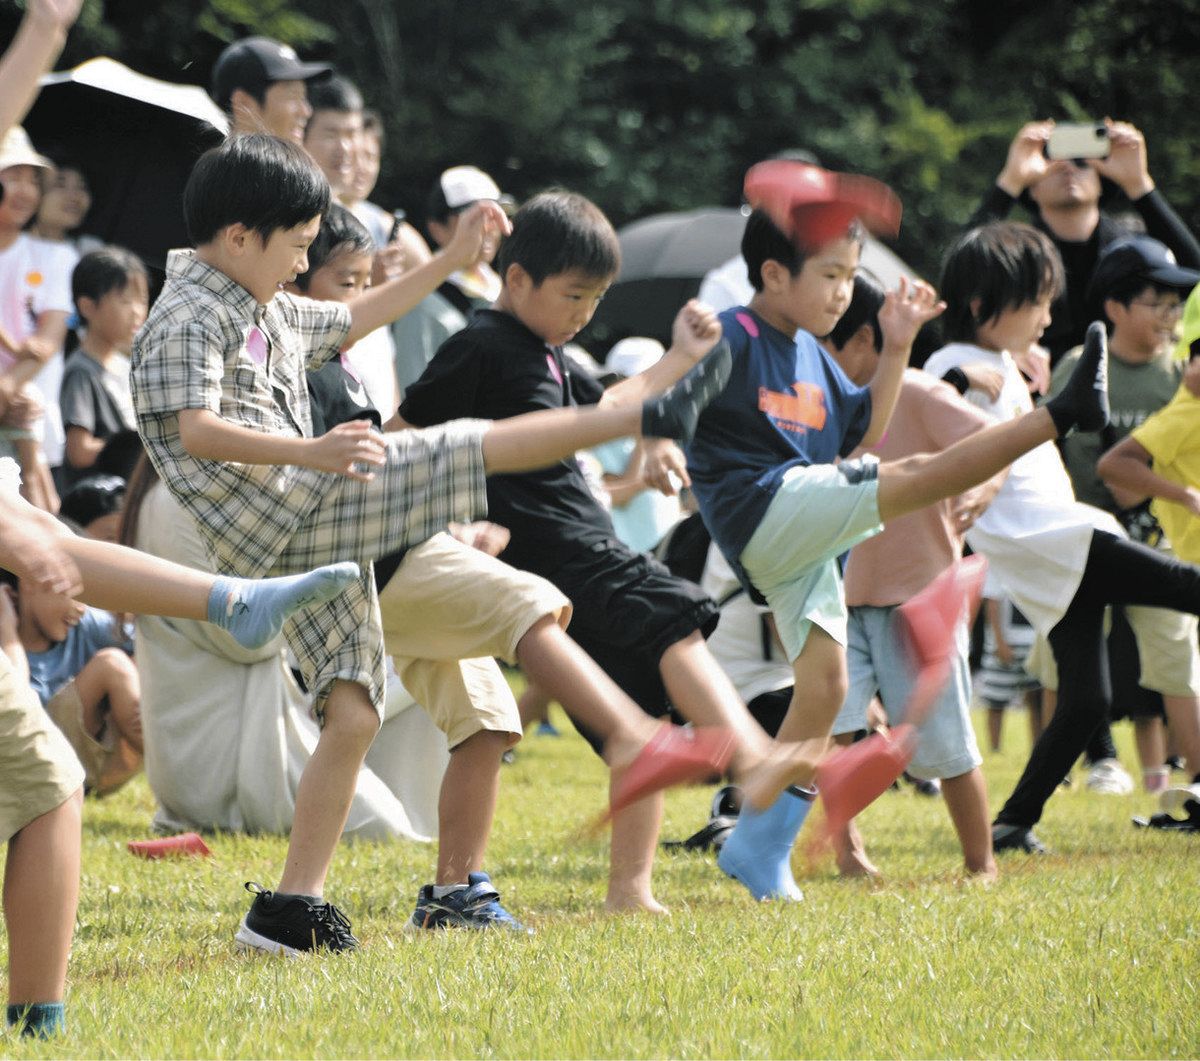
[
  {"x": 487, "y": 742},
  {"x": 349, "y": 715}
]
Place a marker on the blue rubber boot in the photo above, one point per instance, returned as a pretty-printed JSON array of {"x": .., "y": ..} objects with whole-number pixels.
[{"x": 758, "y": 852}]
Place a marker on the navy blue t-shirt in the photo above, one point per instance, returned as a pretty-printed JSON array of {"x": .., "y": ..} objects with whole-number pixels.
[{"x": 787, "y": 403}]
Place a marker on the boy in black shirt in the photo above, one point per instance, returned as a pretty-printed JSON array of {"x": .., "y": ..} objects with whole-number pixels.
[{"x": 644, "y": 627}]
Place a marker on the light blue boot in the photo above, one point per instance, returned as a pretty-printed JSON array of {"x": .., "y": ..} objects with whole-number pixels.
[{"x": 758, "y": 852}]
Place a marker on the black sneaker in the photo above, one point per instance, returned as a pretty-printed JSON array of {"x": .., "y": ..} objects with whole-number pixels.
[
  {"x": 1016, "y": 838},
  {"x": 292, "y": 924}
]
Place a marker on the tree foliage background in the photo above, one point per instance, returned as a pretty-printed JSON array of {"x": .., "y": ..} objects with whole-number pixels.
[{"x": 649, "y": 105}]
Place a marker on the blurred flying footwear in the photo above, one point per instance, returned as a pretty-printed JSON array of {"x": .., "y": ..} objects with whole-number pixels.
[
  {"x": 674, "y": 755},
  {"x": 547, "y": 729}
]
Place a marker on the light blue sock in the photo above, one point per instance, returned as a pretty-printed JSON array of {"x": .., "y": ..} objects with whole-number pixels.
[
  {"x": 38, "y": 1020},
  {"x": 253, "y": 610},
  {"x": 758, "y": 852}
]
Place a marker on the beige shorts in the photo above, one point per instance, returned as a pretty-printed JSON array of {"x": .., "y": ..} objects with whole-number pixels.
[
  {"x": 38, "y": 769},
  {"x": 447, "y": 611},
  {"x": 66, "y": 710},
  {"x": 1167, "y": 651}
]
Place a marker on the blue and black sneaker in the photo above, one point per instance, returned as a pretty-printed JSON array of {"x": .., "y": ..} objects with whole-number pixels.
[{"x": 475, "y": 905}]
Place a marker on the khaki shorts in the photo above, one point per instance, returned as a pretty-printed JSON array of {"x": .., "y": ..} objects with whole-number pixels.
[
  {"x": 66, "y": 710},
  {"x": 1167, "y": 651},
  {"x": 38, "y": 769},
  {"x": 447, "y": 611}
]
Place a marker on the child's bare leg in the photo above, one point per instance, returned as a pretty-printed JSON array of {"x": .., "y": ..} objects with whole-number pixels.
[
  {"x": 966, "y": 800},
  {"x": 467, "y": 804},
  {"x": 1183, "y": 718},
  {"x": 848, "y": 847},
  {"x": 41, "y": 893},
  {"x": 703, "y": 693},
  {"x": 326, "y": 788},
  {"x": 109, "y": 680},
  {"x": 533, "y": 705},
  {"x": 995, "y": 727},
  {"x": 1151, "y": 743},
  {"x": 914, "y": 482},
  {"x": 564, "y": 672},
  {"x": 631, "y": 856}
]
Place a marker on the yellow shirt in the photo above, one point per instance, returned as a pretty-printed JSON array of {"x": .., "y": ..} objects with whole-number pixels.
[{"x": 1172, "y": 438}]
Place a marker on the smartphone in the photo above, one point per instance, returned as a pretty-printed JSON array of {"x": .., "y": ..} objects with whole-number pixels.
[
  {"x": 398, "y": 217},
  {"x": 1078, "y": 140}
]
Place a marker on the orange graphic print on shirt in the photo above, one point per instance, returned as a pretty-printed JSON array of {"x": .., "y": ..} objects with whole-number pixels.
[{"x": 795, "y": 412}]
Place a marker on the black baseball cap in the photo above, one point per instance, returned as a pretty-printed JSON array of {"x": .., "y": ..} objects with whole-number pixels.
[
  {"x": 254, "y": 63},
  {"x": 1139, "y": 257}
]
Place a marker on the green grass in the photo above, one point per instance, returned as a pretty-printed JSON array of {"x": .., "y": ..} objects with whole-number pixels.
[{"x": 1091, "y": 952}]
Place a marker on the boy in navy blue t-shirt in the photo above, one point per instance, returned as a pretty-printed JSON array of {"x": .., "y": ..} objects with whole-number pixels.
[{"x": 762, "y": 468}]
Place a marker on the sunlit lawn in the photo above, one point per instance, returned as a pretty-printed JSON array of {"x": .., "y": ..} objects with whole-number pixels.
[{"x": 1091, "y": 952}]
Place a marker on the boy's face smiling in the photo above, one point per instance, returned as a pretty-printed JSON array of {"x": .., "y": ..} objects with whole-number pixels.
[
  {"x": 262, "y": 267},
  {"x": 817, "y": 296},
  {"x": 1146, "y": 327},
  {"x": 342, "y": 278},
  {"x": 558, "y": 308},
  {"x": 46, "y": 618}
]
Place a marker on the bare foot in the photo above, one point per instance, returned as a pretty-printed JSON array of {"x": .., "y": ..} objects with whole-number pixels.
[
  {"x": 787, "y": 764},
  {"x": 852, "y": 860},
  {"x": 983, "y": 877},
  {"x": 634, "y": 904}
]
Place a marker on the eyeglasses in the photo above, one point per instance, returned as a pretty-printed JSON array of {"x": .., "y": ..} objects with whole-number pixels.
[{"x": 1163, "y": 309}]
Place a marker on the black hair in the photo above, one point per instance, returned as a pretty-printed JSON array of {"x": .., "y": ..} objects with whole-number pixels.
[
  {"x": 764, "y": 241},
  {"x": 334, "y": 93},
  {"x": 865, "y": 304},
  {"x": 557, "y": 232},
  {"x": 92, "y": 498},
  {"x": 340, "y": 232},
  {"x": 100, "y": 271},
  {"x": 1004, "y": 265},
  {"x": 63, "y": 159},
  {"x": 119, "y": 455},
  {"x": 256, "y": 180},
  {"x": 1124, "y": 291}
]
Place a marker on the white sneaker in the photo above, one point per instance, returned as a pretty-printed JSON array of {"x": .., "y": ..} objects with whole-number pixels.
[{"x": 1109, "y": 777}]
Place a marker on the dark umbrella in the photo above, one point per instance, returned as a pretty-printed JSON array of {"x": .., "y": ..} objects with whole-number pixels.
[
  {"x": 136, "y": 139},
  {"x": 665, "y": 257}
]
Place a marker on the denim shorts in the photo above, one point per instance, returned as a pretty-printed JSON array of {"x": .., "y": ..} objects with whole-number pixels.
[{"x": 878, "y": 662}]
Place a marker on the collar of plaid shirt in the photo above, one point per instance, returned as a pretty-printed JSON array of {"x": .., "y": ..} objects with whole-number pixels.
[{"x": 184, "y": 265}]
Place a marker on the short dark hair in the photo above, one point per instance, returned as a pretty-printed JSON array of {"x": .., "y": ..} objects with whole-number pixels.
[
  {"x": 255, "y": 180},
  {"x": 340, "y": 232},
  {"x": 101, "y": 271},
  {"x": 335, "y": 93},
  {"x": 1124, "y": 291},
  {"x": 1003, "y": 264},
  {"x": 865, "y": 304},
  {"x": 558, "y": 232},
  {"x": 373, "y": 123},
  {"x": 764, "y": 241},
  {"x": 92, "y": 498}
]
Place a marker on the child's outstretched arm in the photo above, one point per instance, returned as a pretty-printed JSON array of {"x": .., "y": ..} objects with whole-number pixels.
[
  {"x": 905, "y": 310},
  {"x": 207, "y": 436},
  {"x": 694, "y": 333},
  {"x": 391, "y": 300},
  {"x": 41, "y": 36},
  {"x": 1127, "y": 472}
]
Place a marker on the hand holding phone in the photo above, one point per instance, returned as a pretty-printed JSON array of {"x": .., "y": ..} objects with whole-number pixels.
[{"x": 1078, "y": 140}]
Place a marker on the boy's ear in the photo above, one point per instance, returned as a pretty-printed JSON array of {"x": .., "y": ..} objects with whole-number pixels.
[
  {"x": 235, "y": 238},
  {"x": 774, "y": 274},
  {"x": 86, "y": 306},
  {"x": 974, "y": 305},
  {"x": 242, "y": 104},
  {"x": 517, "y": 280},
  {"x": 1112, "y": 308}
]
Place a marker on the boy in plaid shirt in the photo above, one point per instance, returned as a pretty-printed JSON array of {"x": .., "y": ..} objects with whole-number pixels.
[{"x": 219, "y": 389}]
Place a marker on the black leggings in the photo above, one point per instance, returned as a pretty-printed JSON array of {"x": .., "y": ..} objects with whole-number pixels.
[{"x": 1117, "y": 572}]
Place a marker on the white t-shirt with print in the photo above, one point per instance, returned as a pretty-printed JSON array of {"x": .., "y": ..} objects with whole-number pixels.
[{"x": 35, "y": 277}]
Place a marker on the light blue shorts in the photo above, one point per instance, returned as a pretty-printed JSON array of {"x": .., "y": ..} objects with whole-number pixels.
[
  {"x": 818, "y": 513},
  {"x": 878, "y": 662}
]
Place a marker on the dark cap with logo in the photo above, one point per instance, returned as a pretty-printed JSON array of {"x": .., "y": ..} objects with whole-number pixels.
[
  {"x": 1142, "y": 258},
  {"x": 254, "y": 63}
]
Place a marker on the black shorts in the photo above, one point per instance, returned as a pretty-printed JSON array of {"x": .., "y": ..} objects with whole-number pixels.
[{"x": 628, "y": 610}]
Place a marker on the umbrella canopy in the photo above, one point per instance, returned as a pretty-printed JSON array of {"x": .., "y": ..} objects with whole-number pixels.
[
  {"x": 664, "y": 258},
  {"x": 136, "y": 139}
]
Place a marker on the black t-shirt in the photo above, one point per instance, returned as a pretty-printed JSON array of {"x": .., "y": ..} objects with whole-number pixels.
[{"x": 496, "y": 368}]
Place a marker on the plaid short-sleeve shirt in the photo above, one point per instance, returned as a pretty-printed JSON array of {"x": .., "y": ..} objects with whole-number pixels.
[{"x": 207, "y": 344}]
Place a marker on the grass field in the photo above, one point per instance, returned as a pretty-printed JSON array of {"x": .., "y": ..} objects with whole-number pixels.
[{"x": 1091, "y": 952}]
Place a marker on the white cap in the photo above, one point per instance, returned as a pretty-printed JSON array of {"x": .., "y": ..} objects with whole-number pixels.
[
  {"x": 463, "y": 185},
  {"x": 16, "y": 150},
  {"x": 633, "y": 355}
]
